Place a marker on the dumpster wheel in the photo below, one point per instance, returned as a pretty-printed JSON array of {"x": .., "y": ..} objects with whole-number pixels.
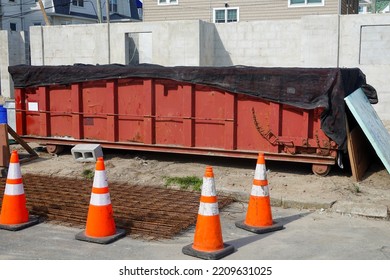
[
  {"x": 321, "y": 169},
  {"x": 54, "y": 149}
]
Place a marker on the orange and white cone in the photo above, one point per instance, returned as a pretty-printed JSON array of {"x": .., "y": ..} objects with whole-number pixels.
[
  {"x": 208, "y": 243},
  {"x": 100, "y": 226},
  {"x": 259, "y": 215},
  {"x": 14, "y": 214}
]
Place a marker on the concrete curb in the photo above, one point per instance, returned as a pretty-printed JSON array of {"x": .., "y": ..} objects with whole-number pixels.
[
  {"x": 370, "y": 210},
  {"x": 362, "y": 209},
  {"x": 283, "y": 202},
  {"x": 287, "y": 203}
]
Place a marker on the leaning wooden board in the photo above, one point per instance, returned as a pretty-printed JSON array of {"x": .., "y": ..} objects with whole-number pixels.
[
  {"x": 359, "y": 150},
  {"x": 371, "y": 125},
  {"x": 4, "y": 146}
]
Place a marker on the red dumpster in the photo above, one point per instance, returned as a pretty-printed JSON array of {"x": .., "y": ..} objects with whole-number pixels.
[{"x": 290, "y": 114}]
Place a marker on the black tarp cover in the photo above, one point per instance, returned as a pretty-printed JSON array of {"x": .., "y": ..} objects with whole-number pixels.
[{"x": 305, "y": 88}]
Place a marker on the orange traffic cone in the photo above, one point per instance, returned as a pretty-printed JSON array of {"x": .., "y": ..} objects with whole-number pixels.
[
  {"x": 208, "y": 242},
  {"x": 259, "y": 215},
  {"x": 100, "y": 226},
  {"x": 14, "y": 214}
]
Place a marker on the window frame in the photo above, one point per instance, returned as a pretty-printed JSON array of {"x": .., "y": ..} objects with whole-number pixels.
[
  {"x": 306, "y": 4},
  {"x": 226, "y": 14},
  {"x": 79, "y": 3},
  {"x": 13, "y": 26},
  {"x": 113, "y": 6},
  {"x": 168, "y": 2}
]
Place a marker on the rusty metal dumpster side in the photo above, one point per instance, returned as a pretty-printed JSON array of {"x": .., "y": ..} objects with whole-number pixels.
[{"x": 170, "y": 116}]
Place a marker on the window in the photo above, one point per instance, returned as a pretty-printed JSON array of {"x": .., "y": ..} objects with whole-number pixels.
[
  {"x": 167, "y": 2},
  {"x": 114, "y": 6},
  {"x": 79, "y": 3},
  {"x": 12, "y": 26},
  {"x": 300, "y": 3},
  {"x": 224, "y": 15}
]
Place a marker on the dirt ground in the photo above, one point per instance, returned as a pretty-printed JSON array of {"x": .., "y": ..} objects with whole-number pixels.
[{"x": 286, "y": 180}]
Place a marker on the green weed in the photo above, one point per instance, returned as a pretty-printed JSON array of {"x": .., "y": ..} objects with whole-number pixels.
[
  {"x": 357, "y": 189},
  {"x": 88, "y": 174},
  {"x": 185, "y": 183},
  {"x": 354, "y": 188}
]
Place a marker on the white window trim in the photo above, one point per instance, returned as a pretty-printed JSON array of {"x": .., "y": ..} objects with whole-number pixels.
[
  {"x": 78, "y": 2},
  {"x": 229, "y": 8},
  {"x": 306, "y": 4},
  {"x": 168, "y": 3},
  {"x": 77, "y": 8}
]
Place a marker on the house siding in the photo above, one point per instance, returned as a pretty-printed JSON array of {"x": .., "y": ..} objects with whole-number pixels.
[{"x": 249, "y": 10}]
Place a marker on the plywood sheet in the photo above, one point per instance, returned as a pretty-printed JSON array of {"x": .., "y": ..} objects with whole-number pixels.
[
  {"x": 359, "y": 151},
  {"x": 4, "y": 146},
  {"x": 371, "y": 125}
]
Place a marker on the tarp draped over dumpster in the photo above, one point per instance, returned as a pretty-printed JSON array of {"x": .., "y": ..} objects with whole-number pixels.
[{"x": 305, "y": 88}]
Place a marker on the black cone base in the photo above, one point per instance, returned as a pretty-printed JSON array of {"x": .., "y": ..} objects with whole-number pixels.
[
  {"x": 259, "y": 230},
  {"x": 101, "y": 240},
  {"x": 215, "y": 255},
  {"x": 33, "y": 220}
]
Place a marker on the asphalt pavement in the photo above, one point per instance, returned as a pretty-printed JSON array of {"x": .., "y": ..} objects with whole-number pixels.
[{"x": 307, "y": 235}]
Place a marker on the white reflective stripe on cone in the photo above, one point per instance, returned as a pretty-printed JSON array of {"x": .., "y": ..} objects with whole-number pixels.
[
  {"x": 208, "y": 209},
  {"x": 100, "y": 179},
  {"x": 14, "y": 171},
  {"x": 260, "y": 172},
  {"x": 208, "y": 188},
  {"x": 14, "y": 189},
  {"x": 100, "y": 199},
  {"x": 260, "y": 191}
]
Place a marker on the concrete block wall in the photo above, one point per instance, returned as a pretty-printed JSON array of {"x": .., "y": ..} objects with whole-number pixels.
[
  {"x": 365, "y": 43},
  {"x": 307, "y": 42},
  {"x": 312, "y": 41},
  {"x": 171, "y": 43},
  {"x": 4, "y": 62},
  {"x": 178, "y": 44},
  {"x": 319, "y": 45},
  {"x": 361, "y": 41},
  {"x": 69, "y": 44},
  {"x": 146, "y": 35},
  {"x": 207, "y": 43},
  {"x": 259, "y": 43},
  {"x": 12, "y": 52}
]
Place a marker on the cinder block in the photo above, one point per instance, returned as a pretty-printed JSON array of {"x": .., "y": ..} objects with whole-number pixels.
[{"x": 87, "y": 152}]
